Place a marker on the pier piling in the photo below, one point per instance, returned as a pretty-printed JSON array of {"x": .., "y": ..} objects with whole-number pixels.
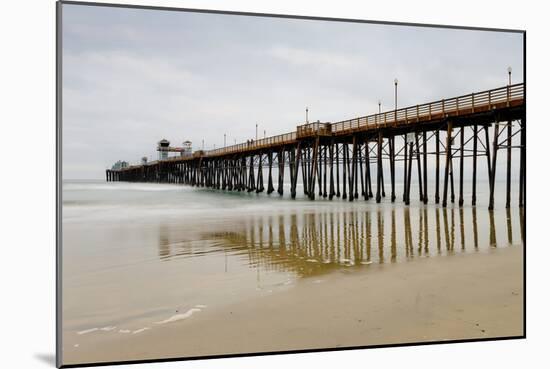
[{"x": 317, "y": 150}]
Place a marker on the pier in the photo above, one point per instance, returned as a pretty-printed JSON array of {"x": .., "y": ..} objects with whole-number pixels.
[{"x": 351, "y": 159}]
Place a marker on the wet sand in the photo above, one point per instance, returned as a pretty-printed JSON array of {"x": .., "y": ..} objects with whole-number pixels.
[{"x": 459, "y": 296}]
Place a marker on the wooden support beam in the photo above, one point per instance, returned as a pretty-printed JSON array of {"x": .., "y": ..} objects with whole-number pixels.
[
  {"x": 231, "y": 178},
  {"x": 355, "y": 169},
  {"x": 313, "y": 169},
  {"x": 305, "y": 170},
  {"x": 360, "y": 164},
  {"x": 251, "y": 176},
  {"x": 461, "y": 173},
  {"x": 494, "y": 166},
  {"x": 260, "y": 185},
  {"x": 409, "y": 176},
  {"x": 368, "y": 171},
  {"x": 331, "y": 160},
  {"x": 508, "y": 162},
  {"x": 345, "y": 167},
  {"x": 379, "y": 170},
  {"x": 405, "y": 177},
  {"x": 234, "y": 174},
  {"x": 295, "y": 162},
  {"x": 245, "y": 174},
  {"x": 319, "y": 163},
  {"x": 392, "y": 167},
  {"x": 366, "y": 157},
  {"x": 270, "y": 187},
  {"x": 211, "y": 173},
  {"x": 325, "y": 147},
  {"x": 308, "y": 170},
  {"x": 281, "y": 163},
  {"x": 217, "y": 173},
  {"x": 452, "y": 181},
  {"x": 223, "y": 173},
  {"x": 425, "y": 164},
  {"x": 337, "y": 171},
  {"x": 448, "y": 161},
  {"x": 437, "y": 162},
  {"x": 488, "y": 154},
  {"x": 419, "y": 167},
  {"x": 241, "y": 175},
  {"x": 474, "y": 165},
  {"x": 382, "y": 173}
]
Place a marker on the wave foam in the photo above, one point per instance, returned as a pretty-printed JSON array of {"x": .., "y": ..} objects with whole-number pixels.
[
  {"x": 177, "y": 317},
  {"x": 87, "y": 331}
]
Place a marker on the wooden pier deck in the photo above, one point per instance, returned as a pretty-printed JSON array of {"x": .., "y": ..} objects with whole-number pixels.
[{"x": 318, "y": 150}]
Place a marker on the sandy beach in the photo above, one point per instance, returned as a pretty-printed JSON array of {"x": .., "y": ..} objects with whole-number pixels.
[{"x": 459, "y": 296}]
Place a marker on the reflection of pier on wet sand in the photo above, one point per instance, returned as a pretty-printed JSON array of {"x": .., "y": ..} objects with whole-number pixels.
[{"x": 318, "y": 242}]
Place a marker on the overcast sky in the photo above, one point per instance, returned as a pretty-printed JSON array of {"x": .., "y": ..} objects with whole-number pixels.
[{"x": 132, "y": 77}]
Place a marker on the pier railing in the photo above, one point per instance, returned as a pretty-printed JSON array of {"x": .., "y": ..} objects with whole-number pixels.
[
  {"x": 471, "y": 103},
  {"x": 475, "y": 102},
  {"x": 283, "y": 139}
]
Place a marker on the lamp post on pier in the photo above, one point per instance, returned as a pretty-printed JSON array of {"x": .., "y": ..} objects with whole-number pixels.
[{"x": 395, "y": 81}]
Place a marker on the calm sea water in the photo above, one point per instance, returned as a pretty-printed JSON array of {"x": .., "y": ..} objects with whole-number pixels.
[{"x": 137, "y": 254}]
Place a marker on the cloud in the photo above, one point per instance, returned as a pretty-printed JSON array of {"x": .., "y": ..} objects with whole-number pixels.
[
  {"x": 313, "y": 58},
  {"x": 131, "y": 77}
]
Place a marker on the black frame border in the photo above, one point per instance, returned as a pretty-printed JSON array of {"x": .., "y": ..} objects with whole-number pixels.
[{"x": 59, "y": 183}]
